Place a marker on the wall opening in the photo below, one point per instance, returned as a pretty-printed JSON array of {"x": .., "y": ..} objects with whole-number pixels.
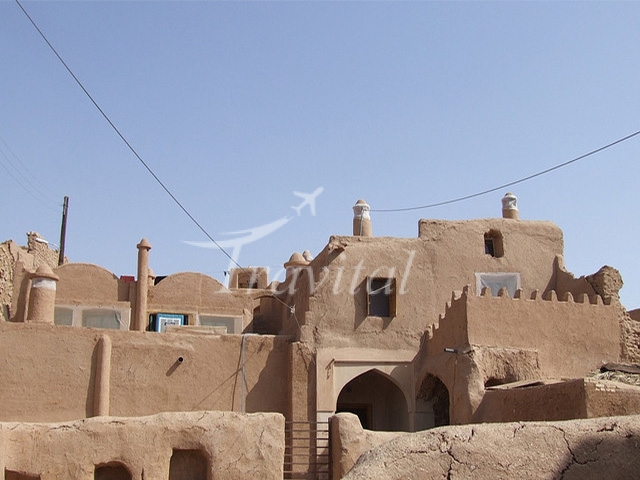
[
  {"x": 495, "y": 381},
  {"x": 376, "y": 400},
  {"x": 12, "y": 475},
  {"x": 493, "y": 244},
  {"x": 102, "y": 318},
  {"x": 189, "y": 465},
  {"x": 432, "y": 404},
  {"x": 381, "y": 297},
  {"x": 111, "y": 471}
]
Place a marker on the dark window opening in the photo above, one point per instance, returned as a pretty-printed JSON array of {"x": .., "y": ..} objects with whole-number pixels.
[
  {"x": 493, "y": 244},
  {"x": 248, "y": 284},
  {"x": 488, "y": 247},
  {"x": 381, "y": 297}
]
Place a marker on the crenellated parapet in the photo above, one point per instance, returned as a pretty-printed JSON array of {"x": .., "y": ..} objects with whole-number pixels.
[
  {"x": 571, "y": 336},
  {"x": 549, "y": 296}
]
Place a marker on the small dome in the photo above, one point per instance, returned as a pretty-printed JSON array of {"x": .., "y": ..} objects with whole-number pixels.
[
  {"x": 144, "y": 243},
  {"x": 296, "y": 260},
  {"x": 44, "y": 271}
]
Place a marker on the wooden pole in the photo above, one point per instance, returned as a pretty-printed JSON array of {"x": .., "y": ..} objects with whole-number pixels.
[{"x": 63, "y": 230}]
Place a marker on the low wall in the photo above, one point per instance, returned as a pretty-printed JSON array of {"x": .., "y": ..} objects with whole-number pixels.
[
  {"x": 53, "y": 373},
  {"x": 567, "y": 400},
  {"x": 220, "y": 445},
  {"x": 576, "y": 449},
  {"x": 558, "y": 401},
  {"x": 571, "y": 337}
]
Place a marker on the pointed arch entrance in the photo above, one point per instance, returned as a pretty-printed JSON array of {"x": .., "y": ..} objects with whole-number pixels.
[
  {"x": 376, "y": 400},
  {"x": 432, "y": 404}
]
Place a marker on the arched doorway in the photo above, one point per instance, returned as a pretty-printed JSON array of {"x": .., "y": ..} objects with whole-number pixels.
[
  {"x": 432, "y": 404},
  {"x": 376, "y": 400},
  {"x": 111, "y": 471}
]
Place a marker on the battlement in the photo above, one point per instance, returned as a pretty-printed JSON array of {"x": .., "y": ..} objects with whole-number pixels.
[{"x": 574, "y": 334}]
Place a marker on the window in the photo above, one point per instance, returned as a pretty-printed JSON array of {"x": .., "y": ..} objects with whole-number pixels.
[
  {"x": 381, "y": 297},
  {"x": 115, "y": 317},
  {"x": 493, "y": 244},
  {"x": 495, "y": 281},
  {"x": 63, "y": 316},
  {"x": 233, "y": 324},
  {"x": 158, "y": 322},
  {"x": 101, "y": 318}
]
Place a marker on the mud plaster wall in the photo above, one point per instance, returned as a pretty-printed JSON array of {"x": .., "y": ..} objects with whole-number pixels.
[
  {"x": 144, "y": 445},
  {"x": 571, "y": 338},
  {"x": 48, "y": 372},
  {"x": 558, "y": 401},
  {"x": 13, "y": 258},
  {"x": 444, "y": 258},
  {"x": 576, "y": 449},
  {"x": 83, "y": 283}
]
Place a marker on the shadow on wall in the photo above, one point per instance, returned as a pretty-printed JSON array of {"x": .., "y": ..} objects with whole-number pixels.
[
  {"x": 606, "y": 454},
  {"x": 272, "y": 378}
]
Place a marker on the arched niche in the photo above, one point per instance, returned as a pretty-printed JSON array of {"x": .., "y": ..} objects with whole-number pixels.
[
  {"x": 377, "y": 400},
  {"x": 111, "y": 471}
]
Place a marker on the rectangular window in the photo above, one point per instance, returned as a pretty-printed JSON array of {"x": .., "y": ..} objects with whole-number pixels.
[
  {"x": 233, "y": 324},
  {"x": 101, "y": 318},
  {"x": 497, "y": 280},
  {"x": 381, "y": 297},
  {"x": 160, "y": 321},
  {"x": 63, "y": 316}
]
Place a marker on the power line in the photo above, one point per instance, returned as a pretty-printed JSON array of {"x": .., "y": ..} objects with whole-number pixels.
[
  {"x": 28, "y": 185},
  {"x": 144, "y": 164},
  {"x": 126, "y": 142},
  {"x": 505, "y": 185}
]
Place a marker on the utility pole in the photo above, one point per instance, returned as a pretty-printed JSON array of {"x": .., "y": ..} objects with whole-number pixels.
[{"x": 63, "y": 230}]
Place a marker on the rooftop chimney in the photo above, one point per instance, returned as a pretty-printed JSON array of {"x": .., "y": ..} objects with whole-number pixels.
[
  {"x": 361, "y": 219},
  {"x": 510, "y": 206}
]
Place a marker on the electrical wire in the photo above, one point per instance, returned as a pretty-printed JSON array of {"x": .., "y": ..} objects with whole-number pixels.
[
  {"x": 144, "y": 164},
  {"x": 26, "y": 185},
  {"x": 509, "y": 184},
  {"x": 26, "y": 175},
  {"x": 126, "y": 142}
]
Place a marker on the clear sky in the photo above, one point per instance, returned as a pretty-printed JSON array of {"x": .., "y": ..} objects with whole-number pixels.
[{"x": 236, "y": 105}]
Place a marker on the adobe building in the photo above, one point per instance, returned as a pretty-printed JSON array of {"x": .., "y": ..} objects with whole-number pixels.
[{"x": 469, "y": 322}]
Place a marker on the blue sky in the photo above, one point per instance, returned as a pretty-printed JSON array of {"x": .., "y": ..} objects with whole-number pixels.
[{"x": 235, "y": 105}]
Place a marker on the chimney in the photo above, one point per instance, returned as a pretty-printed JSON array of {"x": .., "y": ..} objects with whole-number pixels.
[
  {"x": 142, "y": 287},
  {"x": 361, "y": 219},
  {"x": 42, "y": 298},
  {"x": 510, "y": 206}
]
